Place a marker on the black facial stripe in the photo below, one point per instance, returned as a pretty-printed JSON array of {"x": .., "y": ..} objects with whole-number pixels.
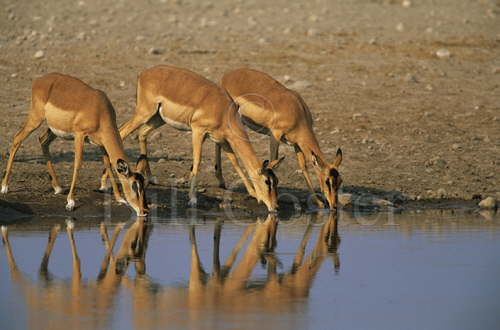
[{"x": 135, "y": 187}]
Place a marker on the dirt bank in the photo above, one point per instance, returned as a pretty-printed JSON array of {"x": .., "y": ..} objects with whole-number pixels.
[{"x": 409, "y": 122}]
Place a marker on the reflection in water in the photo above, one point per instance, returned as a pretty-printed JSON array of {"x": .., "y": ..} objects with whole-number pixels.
[
  {"x": 212, "y": 299},
  {"x": 229, "y": 292},
  {"x": 76, "y": 304}
]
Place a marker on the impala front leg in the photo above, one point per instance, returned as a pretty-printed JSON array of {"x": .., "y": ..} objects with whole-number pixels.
[
  {"x": 232, "y": 157},
  {"x": 273, "y": 147},
  {"x": 198, "y": 137},
  {"x": 301, "y": 159},
  {"x": 109, "y": 172},
  {"x": 79, "y": 139}
]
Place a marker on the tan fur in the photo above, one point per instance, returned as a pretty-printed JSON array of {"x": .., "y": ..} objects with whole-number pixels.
[
  {"x": 269, "y": 107},
  {"x": 185, "y": 99},
  {"x": 74, "y": 109}
]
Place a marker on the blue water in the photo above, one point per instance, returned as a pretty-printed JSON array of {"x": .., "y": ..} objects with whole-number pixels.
[{"x": 394, "y": 271}]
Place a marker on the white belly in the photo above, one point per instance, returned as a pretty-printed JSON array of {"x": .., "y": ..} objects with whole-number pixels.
[
  {"x": 62, "y": 134},
  {"x": 175, "y": 124}
]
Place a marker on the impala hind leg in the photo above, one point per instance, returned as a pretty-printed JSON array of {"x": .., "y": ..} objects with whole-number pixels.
[
  {"x": 153, "y": 123},
  {"x": 218, "y": 166},
  {"x": 301, "y": 159},
  {"x": 33, "y": 122},
  {"x": 79, "y": 140},
  {"x": 198, "y": 138},
  {"x": 45, "y": 140}
]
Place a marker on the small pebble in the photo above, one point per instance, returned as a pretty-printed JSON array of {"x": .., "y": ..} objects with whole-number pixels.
[
  {"x": 312, "y": 32},
  {"x": 39, "y": 54},
  {"x": 441, "y": 193},
  {"x": 406, "y": 3},
  {"x": 400, "y": 27},
  {"x": 345, "y": 199},
  {"x": 155, "y": 51},
  {"x": 488, "y": 203},
  {"x": 443, "y": 53}
]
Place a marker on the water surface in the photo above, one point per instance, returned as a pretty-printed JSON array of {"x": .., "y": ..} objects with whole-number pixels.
[{"x": 430, "y": 270}]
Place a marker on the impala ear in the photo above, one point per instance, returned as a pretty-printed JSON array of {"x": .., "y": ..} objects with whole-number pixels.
[
  {"x": 264, "y": 166},
  {"x": 142, "y": 162},
  {"x": 316, "y": 161},
  {"x": 338, "y": 158},
  {"x": 275, "y": 163},
  {"x": 122, "y": 167}
]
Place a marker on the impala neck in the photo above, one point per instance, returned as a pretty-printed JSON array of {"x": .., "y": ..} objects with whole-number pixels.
[
  {"x": 309, "y": 144},
  {"x": 112, "y": 143},
  {"x": 240, "y": 143}
]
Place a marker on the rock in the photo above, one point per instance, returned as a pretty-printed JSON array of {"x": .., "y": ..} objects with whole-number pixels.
[
  {"x": 357, "y": 116},
  {"x": 372, "y": 41},
  {"x": 406, "y": 3},
  {"x": 455, "y": 146},
  {"x": 409, "y": 78},
  {"x": 162, "y": 160},
  {"x": 201, "y": 190},
  {"x": 39, "y": 54},
  {"x": 313, "y": 18},
  {"x": 300, "y": 84},
  {"x": 345, "y": 199},
  {"x": 262, "y": 41},
  {"x": 488, "y": 203},
  {"x": 312, "y": 32},
  {"x": 441, "y": 193},
  {"x": 181, "y": 181},
  {"x": 382, "y": 203},
  {"x": 140, "y": 38},
  {"x": 400, "y": 27},
  {"x": 443, "y": 53},
  {"x": 122, "y": 83},
  {"x": 155, "y": 51}
]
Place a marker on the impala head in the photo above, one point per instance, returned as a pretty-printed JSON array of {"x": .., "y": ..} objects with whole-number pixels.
[
  {"x": 329, "y": 177},
  {"x": 133, "y": 187},
  {"x": 266, "y": 184}
]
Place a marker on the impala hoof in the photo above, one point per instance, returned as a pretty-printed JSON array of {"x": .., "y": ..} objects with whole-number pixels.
[
  {"x": 57, "y": 190},
  {"x": 105, "y": 187},
  {"x": 5, "y": 188},
  {"x": 71, "y": 205},
  {"x": 192, "y": 202},
  {"x": 70, "y": 224}
]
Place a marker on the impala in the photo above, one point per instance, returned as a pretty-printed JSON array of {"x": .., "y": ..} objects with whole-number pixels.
[
  {"x": 270, "y": 108},
  {"x": 188, "y": 101},
  {"x": 74, "y": 110}
]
